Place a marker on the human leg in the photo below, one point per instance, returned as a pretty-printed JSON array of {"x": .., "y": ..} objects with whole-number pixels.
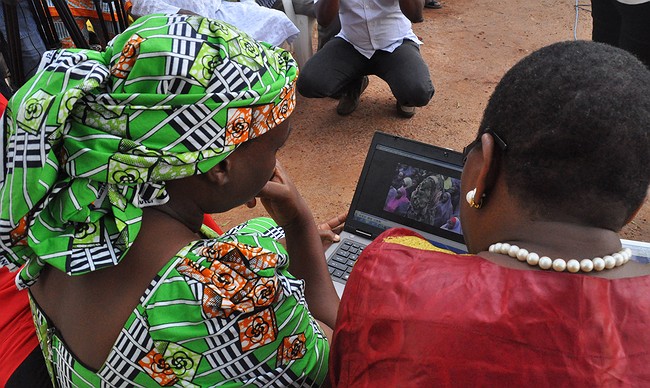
[
  {"x": 606, "y": 22},
  {"x": 32, "y": 45},
  {"x": 635, "y": 30},
  {"x": 412, "y": 87},
  {"x": 335, "y": 68}
]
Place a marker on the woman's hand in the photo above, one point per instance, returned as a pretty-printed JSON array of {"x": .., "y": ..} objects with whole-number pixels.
[
  {"x": 282, "y": 200},
  {"x": 330, "y": 229},
  {"x": 290, "y": 211}
]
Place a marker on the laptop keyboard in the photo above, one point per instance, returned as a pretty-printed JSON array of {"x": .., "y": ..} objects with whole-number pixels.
[{"x": 341, "y": 263}]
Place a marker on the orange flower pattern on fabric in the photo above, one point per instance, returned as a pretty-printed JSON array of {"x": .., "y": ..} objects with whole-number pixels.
[
  {"x": 292, "y": 348},
  {"x": 245, "y": 123},
  {"x": 257, "y": 330},
  {"x": 170, "y": 362},
  {"x": 19, "y": 233},
  {"x": 235, "y": 252},
  {"x": 285, "y": 107},
  {"x": 158, "y": 368},
  {"x": 240, "y": 120},
  {"x": 130, "y": 53},
  {"x": 231, "y": 283}
]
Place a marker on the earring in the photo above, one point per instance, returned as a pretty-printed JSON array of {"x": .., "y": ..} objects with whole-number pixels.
[{"x": 470, "y": 199}]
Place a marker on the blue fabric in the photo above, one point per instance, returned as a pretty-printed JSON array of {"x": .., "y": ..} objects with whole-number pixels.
[{"x": 31, "y": 42}]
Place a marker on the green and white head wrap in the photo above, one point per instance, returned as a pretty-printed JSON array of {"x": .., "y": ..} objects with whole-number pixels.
[{"x": 92, "y": 138}]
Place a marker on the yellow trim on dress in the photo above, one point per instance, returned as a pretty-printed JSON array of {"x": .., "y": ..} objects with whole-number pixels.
[{"x": 414, "y": 242}]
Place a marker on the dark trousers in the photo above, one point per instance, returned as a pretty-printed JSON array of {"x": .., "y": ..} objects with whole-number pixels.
[
  {"x": 339, "y": 66},
  {"x": 622, "y": 25}
]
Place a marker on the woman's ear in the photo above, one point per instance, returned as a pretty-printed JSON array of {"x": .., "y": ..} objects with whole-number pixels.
[
  {"x": 487, "y": 172},
  {"x": 220, "y": 174}
]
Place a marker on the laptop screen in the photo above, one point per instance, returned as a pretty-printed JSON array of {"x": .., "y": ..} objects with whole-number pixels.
[{"x": 409, "y": 184}]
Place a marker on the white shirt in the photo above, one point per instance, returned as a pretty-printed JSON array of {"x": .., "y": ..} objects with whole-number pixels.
[
  {"x": 261, "y": 23},
  {"x": 371, "y": 25}
]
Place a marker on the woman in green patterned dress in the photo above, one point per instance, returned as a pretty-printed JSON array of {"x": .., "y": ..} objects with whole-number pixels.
[{"x": 110, "y": 161}]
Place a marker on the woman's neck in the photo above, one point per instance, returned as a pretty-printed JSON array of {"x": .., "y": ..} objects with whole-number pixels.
[
  {"x": 191, "y": 220},
  {"x": 560, "y": 239},
  {"x": 563, "y": 240}
]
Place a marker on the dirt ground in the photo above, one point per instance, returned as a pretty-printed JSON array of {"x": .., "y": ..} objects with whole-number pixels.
[{"x": 468, "y": 46}]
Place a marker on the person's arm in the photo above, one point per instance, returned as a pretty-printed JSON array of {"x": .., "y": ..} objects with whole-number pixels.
[
  {"x": 307, "y": 259},
  {"x": 412, "y": 9},
  {"x": 326, "y": 11}
]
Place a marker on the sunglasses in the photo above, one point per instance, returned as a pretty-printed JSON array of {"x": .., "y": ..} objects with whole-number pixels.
[{"x": 502, "y": 144}]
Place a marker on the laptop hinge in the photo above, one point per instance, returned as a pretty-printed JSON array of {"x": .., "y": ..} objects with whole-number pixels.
[{"x": 365, "y": 234}]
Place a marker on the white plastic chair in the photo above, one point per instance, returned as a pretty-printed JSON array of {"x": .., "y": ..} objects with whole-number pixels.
[{"x": 302, "y": 46}]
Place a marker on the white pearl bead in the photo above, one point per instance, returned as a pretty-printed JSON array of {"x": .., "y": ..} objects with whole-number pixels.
[
  {"x": 573, "y": 266},
  {"x": 586, "y": 265},
  {"x": 628, "y": 252},
  {"x": 559, "y": 265},
  {"x": 599, "y": 264},
  {"x": 545, "y": 262},
  {"x": 532, "y": 258},
  {"x": 497, "y": 247},
  {"x": 619, "y": 259},
  {"x": 505, "y": 248},
  {"x": 522, "y": 254}
]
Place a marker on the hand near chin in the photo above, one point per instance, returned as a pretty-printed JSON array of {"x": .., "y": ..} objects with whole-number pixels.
[{"x": 282, "y": 200}]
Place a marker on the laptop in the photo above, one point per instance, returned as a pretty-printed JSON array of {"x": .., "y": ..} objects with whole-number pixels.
[{"x": 403, "y": 183}]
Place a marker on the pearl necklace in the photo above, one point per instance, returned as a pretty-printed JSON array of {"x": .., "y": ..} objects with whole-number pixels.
[{"x": 585, "y": 265}]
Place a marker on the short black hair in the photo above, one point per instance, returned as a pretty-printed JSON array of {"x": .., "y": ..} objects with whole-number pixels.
[{"x": 576, "y": 118}]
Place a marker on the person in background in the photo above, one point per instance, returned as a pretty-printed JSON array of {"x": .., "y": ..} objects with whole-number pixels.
[
  {"x": 32, "y": 45},
  {"x": 375, "y": 38},
  {"x": 307, "y": 8},
  {"x": 547, "y": 296},
  {"x": 624, "y": 24},
  {"x": 146, "y": 139}
]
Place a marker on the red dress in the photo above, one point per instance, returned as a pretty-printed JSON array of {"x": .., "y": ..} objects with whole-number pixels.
[
  {"x": 421, "y": 317},
  {"x": 17, "y": 333}
]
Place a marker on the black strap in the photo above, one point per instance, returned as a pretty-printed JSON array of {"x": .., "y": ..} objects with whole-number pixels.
[{"x": 70, "y": 24}]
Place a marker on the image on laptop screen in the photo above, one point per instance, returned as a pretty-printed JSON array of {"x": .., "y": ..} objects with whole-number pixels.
[
  {"x": 409, "y": 184},
  {"x": 425, "y": 197}
]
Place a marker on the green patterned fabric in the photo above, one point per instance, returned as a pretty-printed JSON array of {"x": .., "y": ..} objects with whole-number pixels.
[
  {"x": 92, "y": 138},
  {"x": 223, "y": 312}
]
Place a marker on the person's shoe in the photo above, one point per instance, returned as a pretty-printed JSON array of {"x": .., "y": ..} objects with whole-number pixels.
[
  {"x": 349, "y": 101},
  {"x": 433, "y": 4},
  {"x": 405, "y": 111}
]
